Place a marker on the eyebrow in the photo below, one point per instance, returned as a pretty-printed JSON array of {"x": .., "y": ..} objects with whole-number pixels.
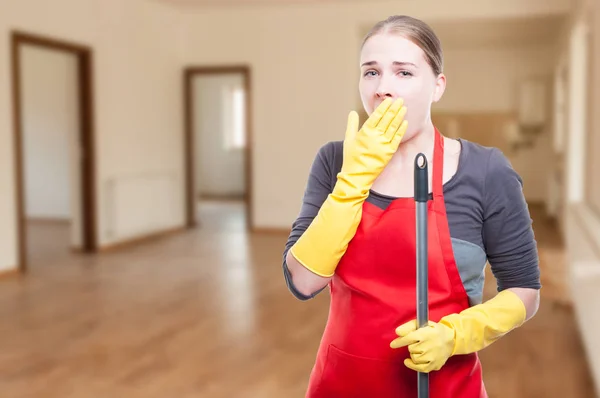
[{"x": 397, "y": 63}]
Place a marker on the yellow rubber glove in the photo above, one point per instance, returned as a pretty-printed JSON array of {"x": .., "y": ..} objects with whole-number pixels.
[
  {"x": 366, "y": 153},
  {"x": 469, "y": 331}
]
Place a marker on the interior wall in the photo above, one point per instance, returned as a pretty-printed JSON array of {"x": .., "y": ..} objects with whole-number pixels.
[
  {"x": 50, "y": 117},
  {"x": 484, "y": 79},
  {"x": 593, "y": 142},
  {"x": 481, "y": 99},
  {"x": 212, "y": 124},
  {"x": 303, "y": 85},
  {"x": 301, "y": 98},
  {"x": 137, "y": 104},
  {"x": 582, "y": 219}
]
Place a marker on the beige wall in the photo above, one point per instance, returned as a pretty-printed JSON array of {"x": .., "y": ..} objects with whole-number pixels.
[
  {"x": 593, "y": 145},
  {"x": 487, "y": 112},
  {"x": 137, "y": 100},
  {"x": 304, "y": 85},
  {"x": 304, "y": 65},
  {"x": 498, "y": 69},
  {"x": 582, "y": 216}
]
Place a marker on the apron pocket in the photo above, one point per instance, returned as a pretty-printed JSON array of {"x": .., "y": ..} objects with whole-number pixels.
[{"x": 346, "y": 375}]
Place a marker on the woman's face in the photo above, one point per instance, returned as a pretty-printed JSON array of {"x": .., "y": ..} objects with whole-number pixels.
[{"x": 393, "y": 66}]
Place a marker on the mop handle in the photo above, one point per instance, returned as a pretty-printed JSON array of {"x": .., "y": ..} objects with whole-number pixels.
[{"x": 421, "y": 198}]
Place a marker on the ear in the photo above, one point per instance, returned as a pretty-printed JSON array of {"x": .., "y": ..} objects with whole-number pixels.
[{"x": 440, "y": 87}]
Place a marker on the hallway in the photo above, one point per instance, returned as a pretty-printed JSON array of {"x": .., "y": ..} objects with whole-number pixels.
[{"x": 206, "y": 313}]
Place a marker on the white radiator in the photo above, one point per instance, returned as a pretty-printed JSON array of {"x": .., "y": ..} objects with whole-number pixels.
[{"x": 140, "y": 204}]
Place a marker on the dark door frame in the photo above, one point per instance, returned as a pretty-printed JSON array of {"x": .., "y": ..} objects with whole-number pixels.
[
  {"x": 86, "y": 137},
  {"x": 189, "y": 148}
]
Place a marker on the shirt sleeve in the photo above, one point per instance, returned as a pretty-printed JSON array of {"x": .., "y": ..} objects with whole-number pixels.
[
  {"x": 507, "y": 227},
  {"x": 318, "y": 187}
]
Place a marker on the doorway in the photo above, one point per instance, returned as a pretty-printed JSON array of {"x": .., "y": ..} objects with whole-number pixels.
[
  {"x": 218, "y": 144},
  {"x": 54, "y": 145},
  {"x": 557, "y": 190}
]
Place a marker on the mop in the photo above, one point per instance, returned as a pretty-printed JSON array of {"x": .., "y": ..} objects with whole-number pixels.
[{"x": 421, "y": 199}]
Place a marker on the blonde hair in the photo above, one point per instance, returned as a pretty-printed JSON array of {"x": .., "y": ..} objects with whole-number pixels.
[{"x": 416, "y": 31}]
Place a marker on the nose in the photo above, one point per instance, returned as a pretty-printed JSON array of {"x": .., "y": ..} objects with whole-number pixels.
[
  {"x": 383, "y": 94},
  {"x": 384, "y": 90}
]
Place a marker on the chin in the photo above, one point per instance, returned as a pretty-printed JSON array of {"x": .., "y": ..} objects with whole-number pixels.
[
  {"x": 409, "y": 135},
  {"x": 413, "y": 129}
]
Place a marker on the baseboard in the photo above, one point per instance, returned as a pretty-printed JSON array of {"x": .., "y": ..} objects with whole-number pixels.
[
  {"x": 127, "y": 243},
  {"x": 270, "y": 231},
  {"x": 586, "y": 301},
  {"x": 9, "y": 273}
]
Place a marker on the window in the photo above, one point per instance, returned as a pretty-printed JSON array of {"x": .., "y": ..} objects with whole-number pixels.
[{"x": 234, "y": 117}]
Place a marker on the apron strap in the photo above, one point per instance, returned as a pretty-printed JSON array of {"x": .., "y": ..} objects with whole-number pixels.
[{"x": 438, "y": 165}]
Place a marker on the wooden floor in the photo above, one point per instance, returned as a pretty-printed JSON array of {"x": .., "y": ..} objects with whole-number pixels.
[{"x": 206, "y": 314}]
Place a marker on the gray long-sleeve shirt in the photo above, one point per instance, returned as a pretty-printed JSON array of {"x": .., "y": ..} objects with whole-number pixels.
[{"x": 488, "y": 217}]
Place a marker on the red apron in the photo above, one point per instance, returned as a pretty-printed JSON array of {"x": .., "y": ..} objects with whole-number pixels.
[{"x": 374, "y": 291}]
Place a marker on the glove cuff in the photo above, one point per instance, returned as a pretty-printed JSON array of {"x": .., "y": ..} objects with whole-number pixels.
[{"x": 481, "y": 325}]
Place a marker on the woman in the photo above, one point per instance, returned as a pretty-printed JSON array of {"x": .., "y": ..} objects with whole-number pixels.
[{"x": 356, "y": 234}]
